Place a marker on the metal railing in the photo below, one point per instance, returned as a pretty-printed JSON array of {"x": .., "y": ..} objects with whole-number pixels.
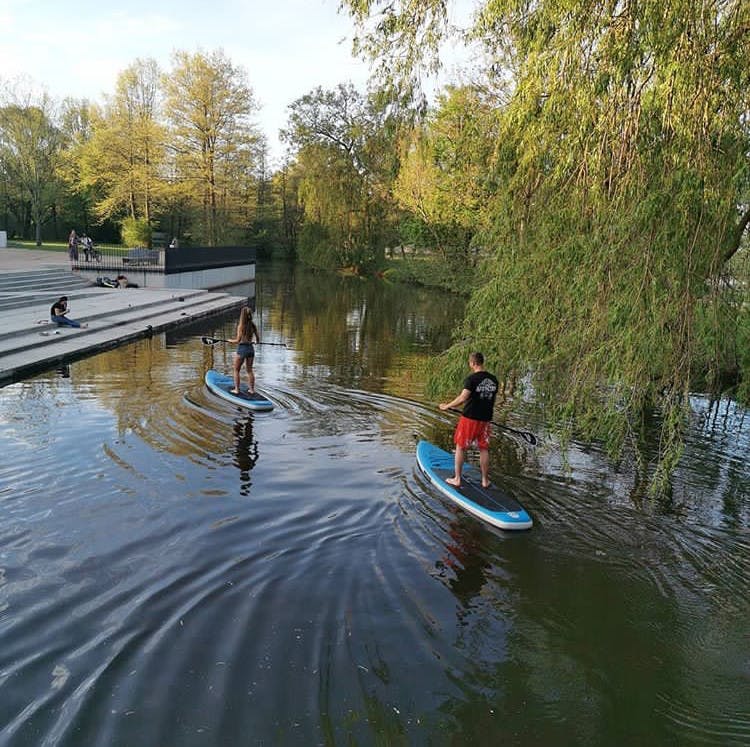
[
  {"x": 118, "y": 259},
  {"x": 108, "y": 260}
]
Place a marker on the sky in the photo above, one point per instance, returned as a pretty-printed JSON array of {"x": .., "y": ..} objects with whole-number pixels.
[{"x": 77, "y": 48}]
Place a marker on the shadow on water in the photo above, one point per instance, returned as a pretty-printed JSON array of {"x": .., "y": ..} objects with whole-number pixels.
[{"x": 175, "y": 570}]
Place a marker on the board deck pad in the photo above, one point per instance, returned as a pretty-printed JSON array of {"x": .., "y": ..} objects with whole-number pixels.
[
  {"x": 492, "y": 504},
  {"x": 220, "y": 384},
  {"x": 255, "y": 396}
]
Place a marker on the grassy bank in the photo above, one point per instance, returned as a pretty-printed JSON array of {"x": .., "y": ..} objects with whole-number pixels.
[
  {"x": 431, "y": 272},
  {"x": 53, "y": 246}
]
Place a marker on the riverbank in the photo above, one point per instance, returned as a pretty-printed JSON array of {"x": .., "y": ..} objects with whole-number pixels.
[
  {"x": 431, "y": 272},
  {"x": 31, "y": 280}
]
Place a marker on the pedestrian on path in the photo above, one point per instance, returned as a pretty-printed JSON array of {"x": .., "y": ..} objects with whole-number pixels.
[{"x": 73, "y": 245}]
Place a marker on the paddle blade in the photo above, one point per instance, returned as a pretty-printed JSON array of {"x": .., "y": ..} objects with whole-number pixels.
[{"x": 530, "y": 437}]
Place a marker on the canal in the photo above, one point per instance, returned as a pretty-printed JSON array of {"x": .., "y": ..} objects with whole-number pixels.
[{"x": 175, "y": 571}]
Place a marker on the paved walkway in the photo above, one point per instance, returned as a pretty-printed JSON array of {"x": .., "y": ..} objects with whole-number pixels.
[
  {"x": 12, "y": 260},
  {"x": 29, "y": 342}
]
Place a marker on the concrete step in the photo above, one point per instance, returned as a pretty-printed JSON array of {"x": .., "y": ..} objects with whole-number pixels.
[
  {"x": 48, "y": 285},
  {"x": 40, "y": 272},
  {"x": 95, "y": 307},
  {"x": 51, "y": 281},
  {"x": 43, "y": 272},
  {"x": 39, "y": 347},
  {"x": 22, "y": 300}
]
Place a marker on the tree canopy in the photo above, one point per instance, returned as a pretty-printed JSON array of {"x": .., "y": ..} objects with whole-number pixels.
[
  {"x": 346, "y": 146},
  {"x": 210, "y": 106},
  {"x": 29, "y": 150},
  {"x": 618, "y": 192},
  {"x": 177, "y": 152}
]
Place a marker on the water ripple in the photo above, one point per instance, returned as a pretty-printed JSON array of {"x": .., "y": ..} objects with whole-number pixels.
[{"x": 195, "y": 574}]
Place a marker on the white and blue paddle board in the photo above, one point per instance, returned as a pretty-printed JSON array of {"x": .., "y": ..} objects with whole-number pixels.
[
  {"x": 220, "y": 385},
  {"x": 491, "y": 504}
]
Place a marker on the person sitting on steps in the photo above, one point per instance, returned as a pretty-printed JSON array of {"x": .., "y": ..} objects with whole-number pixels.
[{"x": 58, "y": 313}]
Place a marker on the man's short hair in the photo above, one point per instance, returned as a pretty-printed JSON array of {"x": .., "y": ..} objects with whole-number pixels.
[{"x": 477, "y": 358}]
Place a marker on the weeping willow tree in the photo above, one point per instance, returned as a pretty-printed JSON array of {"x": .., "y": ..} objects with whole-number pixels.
[
  {"x": 621, "y": 174},
  {"x": 344, "y": 145}
]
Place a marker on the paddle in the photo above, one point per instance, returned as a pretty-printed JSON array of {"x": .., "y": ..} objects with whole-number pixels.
[
  {"x": 525, "y": 435},
  {"x": 214, "y": 340}
]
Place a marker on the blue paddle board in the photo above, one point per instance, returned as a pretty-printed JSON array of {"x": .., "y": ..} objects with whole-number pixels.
[
  {"x": 491, "y": 504},
  {"x": 220, "y": 385}
]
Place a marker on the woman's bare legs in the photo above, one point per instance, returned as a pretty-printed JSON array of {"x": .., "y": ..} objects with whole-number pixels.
[
  {"x": 250, "y": 375},
  {"x": 236, "y": 374}
]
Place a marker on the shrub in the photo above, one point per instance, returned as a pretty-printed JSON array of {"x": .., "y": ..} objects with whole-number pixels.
[{"x": 136, "y": 232}]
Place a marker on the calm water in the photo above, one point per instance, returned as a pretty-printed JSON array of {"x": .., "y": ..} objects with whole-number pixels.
[{"x": 176, "y": 572}]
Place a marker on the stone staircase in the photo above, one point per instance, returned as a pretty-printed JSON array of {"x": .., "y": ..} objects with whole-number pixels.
[
  {"x": 37, "y": 287},
  {"x": 112, "y": 316}
]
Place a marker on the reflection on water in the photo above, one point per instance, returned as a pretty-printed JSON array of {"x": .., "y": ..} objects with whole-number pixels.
[
  {"x": 247, "y": 452},
  {"x": 174, "y": 570}
]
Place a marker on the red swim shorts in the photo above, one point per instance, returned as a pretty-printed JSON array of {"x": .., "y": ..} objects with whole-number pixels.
[{"x": 470, "y": 432}]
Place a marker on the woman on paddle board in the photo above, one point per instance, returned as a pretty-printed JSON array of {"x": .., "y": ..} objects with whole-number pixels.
[
  {"x": 246, "y": 332},
  {"x": 478, "y": 400}
]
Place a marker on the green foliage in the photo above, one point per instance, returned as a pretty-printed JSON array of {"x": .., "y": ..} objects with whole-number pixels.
[
  {"x": 609, "y": 200},
  {"x": 314, "y": 247},
  {"x": 136, "y": 232},
  {"x": 30, "y": 145},
  {"x": 431, "y": 272},
  {"x": 405, "y": 40},
  {"x": 209, "y": 106},
  {"x": 345, "y": 165},
  {"x": 120, "y": 156},
  {"x": 743, "y": 356},
  {"x": 442, "y": 178},
  {"x": 195, "y": 167}
]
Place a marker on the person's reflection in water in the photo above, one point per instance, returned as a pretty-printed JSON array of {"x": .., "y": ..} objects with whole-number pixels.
[
  {"x": 247, "y": 452},
  {"x": 64, "y": 371},
  {"x": 464, "y": 564}
]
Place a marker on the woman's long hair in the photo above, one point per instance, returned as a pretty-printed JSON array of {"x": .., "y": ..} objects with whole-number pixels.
[{"x": 245, "y": 327}]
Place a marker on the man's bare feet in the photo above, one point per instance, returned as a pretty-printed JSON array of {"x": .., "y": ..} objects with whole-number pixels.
[
  {"x": 234, "y": 391},
  {"x": 486, "y": 484},
  {"x": 453, "y": 481}
]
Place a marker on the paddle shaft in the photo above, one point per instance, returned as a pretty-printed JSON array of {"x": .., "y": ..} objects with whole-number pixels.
[{"x": 214, "y": 340}]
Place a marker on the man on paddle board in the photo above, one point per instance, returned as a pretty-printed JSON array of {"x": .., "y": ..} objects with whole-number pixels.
[{"x": 478, "y": 400}]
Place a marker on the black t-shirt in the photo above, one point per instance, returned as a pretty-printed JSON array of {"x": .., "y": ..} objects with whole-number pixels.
[
  {"x": 58, "y": 308},
  {"x": 481, "y": 403}
]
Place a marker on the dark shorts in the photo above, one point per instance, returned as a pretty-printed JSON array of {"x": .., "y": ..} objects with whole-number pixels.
[
  {"x": 472, "y": 432},
  {"x": 245, "y": 350}
]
